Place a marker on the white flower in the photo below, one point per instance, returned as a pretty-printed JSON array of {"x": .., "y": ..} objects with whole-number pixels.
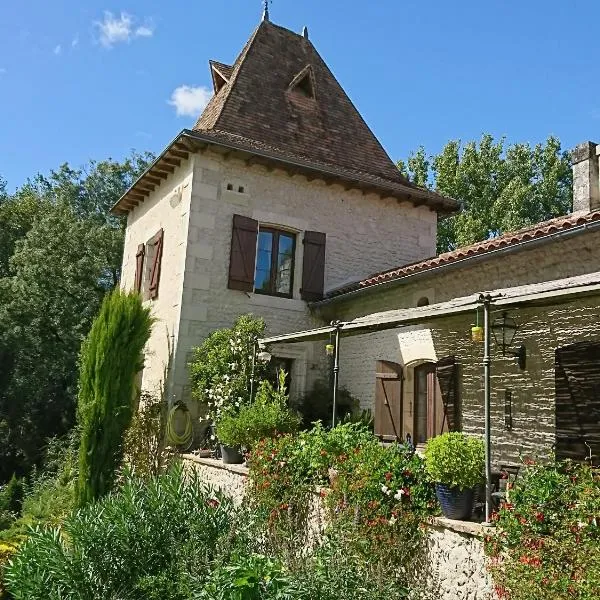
[
  {"x": 398, "y": 495},
  {"x": 212, "y": 438},
  {"x": 386, "y": 490},
  {"x": 392, "y": 521},
  {"x": 581, "y": 524}
]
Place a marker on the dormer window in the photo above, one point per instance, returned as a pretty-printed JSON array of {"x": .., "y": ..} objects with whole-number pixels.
[
  {"x": 221, "y": 74},
  {"x": 304, "y": 83}
]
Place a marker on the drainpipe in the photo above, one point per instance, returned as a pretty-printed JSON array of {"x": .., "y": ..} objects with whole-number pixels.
[
  {"x": 336, "y": 368},
  {"x": 254, "y": 348},
  {"x": 486, "y": 299}
]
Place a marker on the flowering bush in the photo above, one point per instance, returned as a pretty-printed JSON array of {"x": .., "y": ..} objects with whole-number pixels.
[
  {"x": 547, "y": 540},
  {"x": 221, "y": 368}
]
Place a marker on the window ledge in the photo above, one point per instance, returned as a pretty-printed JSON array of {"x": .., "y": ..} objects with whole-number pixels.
[{"x": 278, "y": 302}]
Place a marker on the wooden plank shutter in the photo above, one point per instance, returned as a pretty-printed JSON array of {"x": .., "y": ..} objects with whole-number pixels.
[
  {"x": 447, "y": 376},
  {"x": 243, "y": 254},
  {"x": 139, "y": 267},
  {"x": 577, "y": 388},
  {"x": 313, "y": 266},
  {"x": 388, "y": 400},
  {"x": 157, "y": 259}
]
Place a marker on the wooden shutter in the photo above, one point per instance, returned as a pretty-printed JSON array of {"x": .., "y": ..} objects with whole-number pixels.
[
  {"x": 313, "y": 266},
  {"x": 243, "y": 254},
  {"x": 139, "y": 267},
  {"x": 388, "y": 400},
  {"x": 577, "y": 385},
  {"x": 157, "y": 258},
  {"x": 447, "y": 376}
]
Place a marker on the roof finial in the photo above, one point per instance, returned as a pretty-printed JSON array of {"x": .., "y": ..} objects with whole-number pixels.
[
  {"x": 266, "y": 10},
  {"x": 305, "y": 32}
]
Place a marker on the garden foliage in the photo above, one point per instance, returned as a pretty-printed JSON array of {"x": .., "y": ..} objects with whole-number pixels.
[
  {"x": 221, "y": 368},
  {"x": 455, "y": 459},
  {"x": 546, "y": 545},
  {"x": 111, "y": 357},
  {"x": 267, "y": 416}
]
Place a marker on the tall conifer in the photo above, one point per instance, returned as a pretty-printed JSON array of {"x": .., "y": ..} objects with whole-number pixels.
[{"x": 111, "y": 356}]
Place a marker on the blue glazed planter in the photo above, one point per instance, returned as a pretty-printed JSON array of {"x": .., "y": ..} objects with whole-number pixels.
[{"x": 456, "y": 503}]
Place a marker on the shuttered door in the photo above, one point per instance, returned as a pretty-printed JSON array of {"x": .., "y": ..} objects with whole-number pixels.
[
  {"x": 155, "y": 271},
  {"x": 243, "y": 254},
  {"x": 139, "y": 267},
  {"x": 313, "y": 266},
  {"x": 577, "y": 384},
  {"x": 447, "y": 376},
  {"x": 388, "y": 400}
]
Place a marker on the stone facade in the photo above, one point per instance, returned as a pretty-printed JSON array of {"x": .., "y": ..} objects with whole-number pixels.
[
  {"x": 456, "y": 556},
  {"x": 195, "y": 208}
]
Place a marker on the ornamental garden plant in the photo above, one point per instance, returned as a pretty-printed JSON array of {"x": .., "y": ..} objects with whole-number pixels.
[{"x": 546, "y": 545}]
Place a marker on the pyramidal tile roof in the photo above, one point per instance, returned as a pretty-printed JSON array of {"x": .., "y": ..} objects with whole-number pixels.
[{"x": 281, "y": 94}]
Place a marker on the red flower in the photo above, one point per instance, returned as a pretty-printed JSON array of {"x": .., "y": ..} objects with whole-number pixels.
[
  {"x": 213, "y": 503},
  {"x": 539, "y": 517},
  {"x": 407, "y": 473},
  {"x": 388, "y": 476}
]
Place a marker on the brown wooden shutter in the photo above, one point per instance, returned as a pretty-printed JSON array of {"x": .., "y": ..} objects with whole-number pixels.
[
  {"x": 577, "y": 389},
  {"x": 243, "y": 254},
  {"x": 447, "y": 376},
  {"x": 313, "y": 266},
  {"x": 139, "y": 267},
  {"x": 157, "y": 259},
  {"x": 388, "y": 400}
]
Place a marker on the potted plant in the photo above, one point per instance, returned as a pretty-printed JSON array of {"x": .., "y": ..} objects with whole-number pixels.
[
  {"x": 267, "y": 416},
  {"x": 455, "y": 463}
]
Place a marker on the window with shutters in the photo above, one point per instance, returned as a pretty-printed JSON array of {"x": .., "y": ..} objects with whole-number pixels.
[
  {"x": 274, "y": 274},
  {"x": 419, "y": 411},
  {"x": 148, "y": 263}
]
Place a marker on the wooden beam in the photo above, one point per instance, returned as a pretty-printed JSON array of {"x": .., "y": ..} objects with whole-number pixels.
[
  {"x": 158, "y": 172},
  {"x": 147, "y": 187},
  {"x": 153, "y": 180},
  {"x": 137, "y": 197},
  {"x": 182, "y": 147},
  {"x": 172, "y": 161},
  {"x": 178, "y": 154},
  {"x": 162, "y": 166}
]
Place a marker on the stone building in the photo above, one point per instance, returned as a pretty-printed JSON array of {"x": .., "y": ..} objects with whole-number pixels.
[
  {"x": 279, "y": 194},
  {"x": 425, "y": 375}
]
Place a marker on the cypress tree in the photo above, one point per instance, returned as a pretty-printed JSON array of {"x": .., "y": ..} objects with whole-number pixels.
[{"x": 111, "y": 356}]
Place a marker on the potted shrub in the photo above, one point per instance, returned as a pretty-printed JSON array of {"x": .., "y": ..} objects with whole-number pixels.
[
  {"x": 455, "y": 463},
  {"x": 267, "y": 416}
]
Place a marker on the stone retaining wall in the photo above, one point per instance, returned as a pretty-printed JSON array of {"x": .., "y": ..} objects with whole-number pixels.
[{"x": 456, "y": 547}]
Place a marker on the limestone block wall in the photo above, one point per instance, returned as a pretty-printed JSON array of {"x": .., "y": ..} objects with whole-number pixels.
[
  {"x": 456, "y": 557},
  {"x": 542, "y": 331}
]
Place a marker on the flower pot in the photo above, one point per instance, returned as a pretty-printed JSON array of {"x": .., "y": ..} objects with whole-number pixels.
[
  {"x": 456, "y": 503},
  {"x": 231, "y": 455}
]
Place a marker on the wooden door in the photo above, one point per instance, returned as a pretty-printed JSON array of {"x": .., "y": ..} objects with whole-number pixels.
[
  {"x": 388, "y": 400},
  {"x": 430, "y": 409}
]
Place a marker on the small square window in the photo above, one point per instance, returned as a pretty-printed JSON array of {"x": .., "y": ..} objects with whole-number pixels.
[
  {"x": 230, "y": 187},
  {"x": 241, "y": 189},
  {"x": 275, "y": 253}
]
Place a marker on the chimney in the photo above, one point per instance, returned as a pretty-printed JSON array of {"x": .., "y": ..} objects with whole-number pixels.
[{"x": 586, "y": 178}]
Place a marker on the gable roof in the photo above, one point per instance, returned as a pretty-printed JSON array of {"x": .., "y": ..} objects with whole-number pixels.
[
  {"x": 510, "y": 241},
  {"x": 258, "y": 110}
]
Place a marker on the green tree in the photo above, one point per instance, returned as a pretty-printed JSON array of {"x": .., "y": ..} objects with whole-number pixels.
[
  {"x": 60, "y": 252},
  {"x": 500, "y": 187},
  {"x": 111, "y": 357}
]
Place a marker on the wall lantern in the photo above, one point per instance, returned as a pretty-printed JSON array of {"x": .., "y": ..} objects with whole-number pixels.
[{"x": 504, "y": 329}]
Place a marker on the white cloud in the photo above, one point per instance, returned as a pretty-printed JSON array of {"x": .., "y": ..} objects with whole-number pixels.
[
  {"x": 189, "y": 101},
  {"x": 57, "y": 49},
  {"x": 75, "y": 41},
  {"x": 114, "y": 30}
]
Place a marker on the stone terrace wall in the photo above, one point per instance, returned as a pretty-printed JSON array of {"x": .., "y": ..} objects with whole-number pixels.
[{"x": 456, "y": 548}]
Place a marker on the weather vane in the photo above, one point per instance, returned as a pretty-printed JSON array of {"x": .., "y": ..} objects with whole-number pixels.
[{"x": 266, "y": 10}]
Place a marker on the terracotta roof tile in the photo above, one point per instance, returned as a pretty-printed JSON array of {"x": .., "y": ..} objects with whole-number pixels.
[{"x": 509, "y": 239}]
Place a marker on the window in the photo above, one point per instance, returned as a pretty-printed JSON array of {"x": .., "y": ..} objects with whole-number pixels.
[
  {"x": 274, "y": 273},
  {"x": 277, "y": 364},
  {"x": 147, "y": 268}
]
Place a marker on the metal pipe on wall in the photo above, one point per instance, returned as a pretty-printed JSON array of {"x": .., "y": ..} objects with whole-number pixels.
[
  {"x": 486, "y": 299},
  {"x": 336, "y": 369}
]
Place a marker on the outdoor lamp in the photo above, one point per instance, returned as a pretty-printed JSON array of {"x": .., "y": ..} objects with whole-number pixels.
[
  {"x": 504, "y": 329},
  {"x": 329, "y": 348}
]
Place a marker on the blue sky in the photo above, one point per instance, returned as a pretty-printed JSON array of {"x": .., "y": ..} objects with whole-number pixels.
[{"x": 95, "y": 79}]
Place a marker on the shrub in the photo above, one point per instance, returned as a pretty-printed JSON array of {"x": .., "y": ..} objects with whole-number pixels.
[
  {"x": 547, "y": 539},
  {"x": 455, "y": 459},
  {"x": 267, "y": 416},
  {"x": 146, "y": 541},
  {"x": 11, "y": 496},
  {"x": 111, "y": 356},
  {"x": 221, "y": 368},
  {"x": 317, "y": 404}
]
